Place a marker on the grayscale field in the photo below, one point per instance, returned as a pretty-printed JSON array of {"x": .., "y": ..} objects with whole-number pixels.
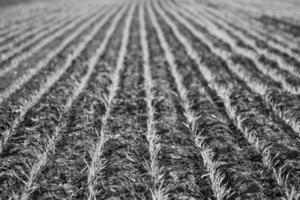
[{"x": 150, "y": 100}]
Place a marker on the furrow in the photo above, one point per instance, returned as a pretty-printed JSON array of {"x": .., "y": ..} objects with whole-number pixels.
[
  {"x": 262, "y": 23},
  {"x": 25, "y": 12},
  {"x": 274, "y": 40},
  {"x": 221, "y": 191},
  {"x": 277, "y": 97},
  {"x": 21, "y": 69},
  {"x": 18, "y": 26},
  {"x": 18, "y": 40},
  {"x": 236, "y": 96},
  {"x": 74, "y": 142},
  {"x": 280, "y": 24},
  {"x": 179, "y": 159},
  {"x": 13, "y": 34},
  {"x": 247, "y": 70},
  {"x": 27, "y": 73},
  {"x": 153, "y": 166},
  {"x": 150, "y": 99},
  {"x": 294, "y": 42},
  {"x": 205, "y": 130},
  {"x": 44, "y": 82},
  {"x": 13, "y": 58},
  {"x": 262, "y": 32},
  {"x": 289, "y": 82},
  {"x": 97, "y": 164},
  {"x": 42, "y": 159},
  {"x": 17, "y": 51},
  {"x": 52, "y": 122},
  {"x": 284, "y": 60},
  {"x": 15, "y": 28},
  {"x": 123, "y": 175}
]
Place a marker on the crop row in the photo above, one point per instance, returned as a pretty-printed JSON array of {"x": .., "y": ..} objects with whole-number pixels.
[
  {"x": 49, "y": 108},
  {"x": 148, "y": 100},
  {"x": 227, "y": 87},
  {"x": 249, "y": 70},
  {"x": 14, "y": 39}
]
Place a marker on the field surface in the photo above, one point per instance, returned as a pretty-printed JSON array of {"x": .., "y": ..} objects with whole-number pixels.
[{"x": 150, "y": 100}]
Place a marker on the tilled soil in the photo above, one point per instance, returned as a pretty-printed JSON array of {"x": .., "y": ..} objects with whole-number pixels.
[{"x": 158, "y": 100}]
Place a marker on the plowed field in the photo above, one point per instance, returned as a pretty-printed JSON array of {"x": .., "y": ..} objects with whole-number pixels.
[{"x": 150, "y": 100}]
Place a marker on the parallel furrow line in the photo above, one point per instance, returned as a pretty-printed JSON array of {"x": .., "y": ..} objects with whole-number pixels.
[
  {"x": 35, "y": 170},
  {"x": 98, "y": 163},
  {"x": 211, "y": 128},
  {"x": 274, "y": 40},
  {"x": 241, "y": 12},
  {"x": 43, "y": 63},
  {"x": 289, "y": 82},
  {"x": 221, "y": 191},
  {"x": 55, "y": 75},
  {"x": 18, "y": 27},
  {"x": 42, "y": 32},
  {"x": 18, "y": 31},
  {"x": 259, "y": 83},
  {"x": 158, "y": 193},
  {"x": 56, "y": 31},
  {"x": 292, "y": 68},
  {"x": 222, "y": 92},
  {"x": 22, "y": 39}
]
